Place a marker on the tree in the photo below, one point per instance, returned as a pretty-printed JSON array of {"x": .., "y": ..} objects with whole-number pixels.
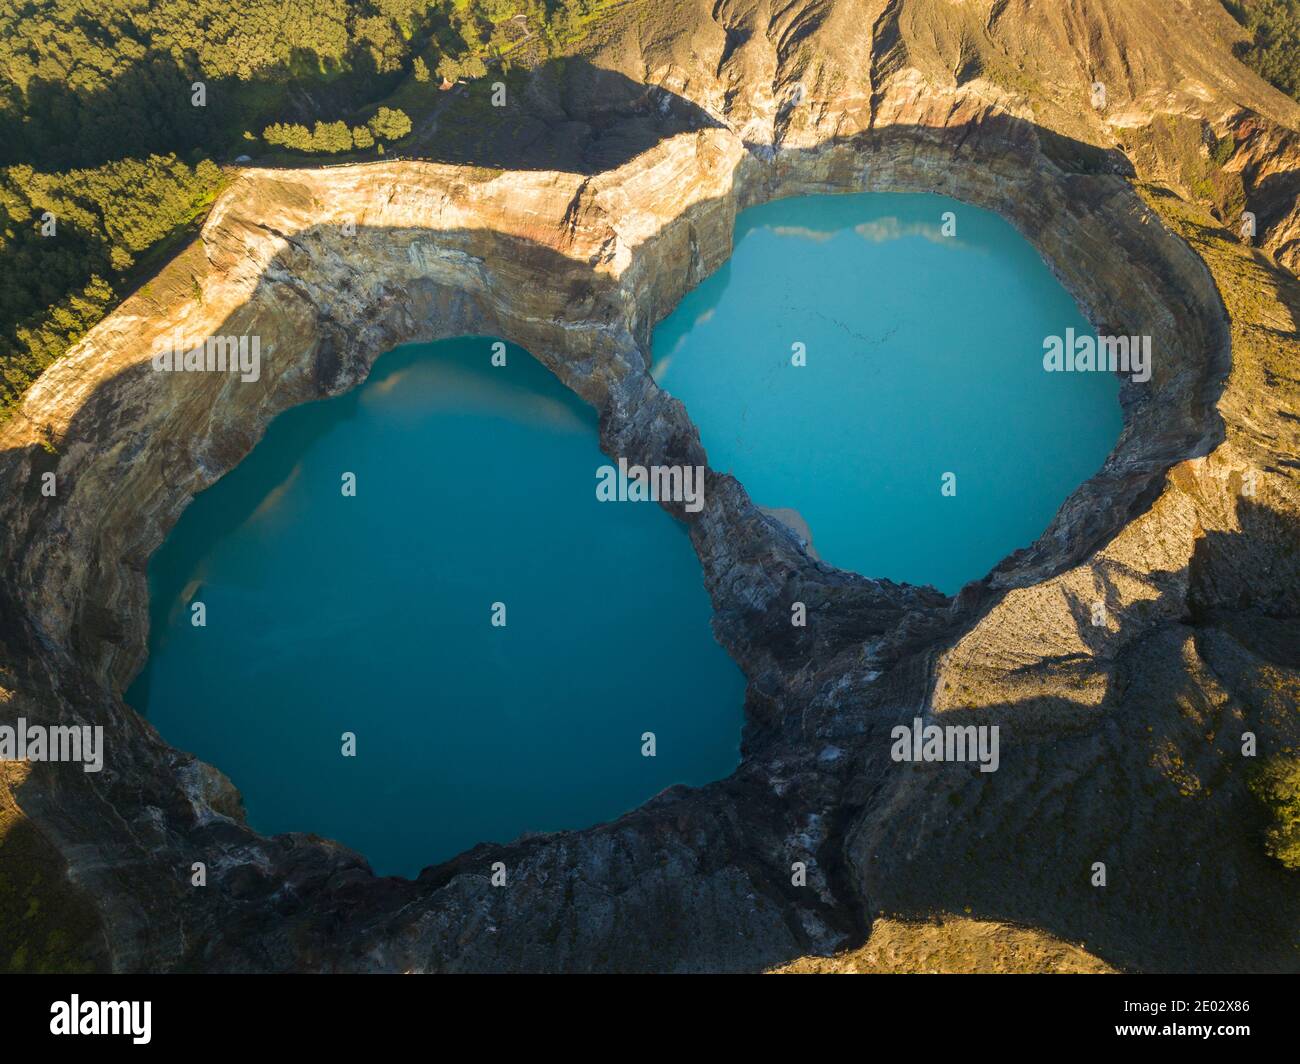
[
  {"x": 288, "y": 135},
  {"x": 1277, "y": 785},
  {"x": 331, "y": 137},
  {"x": 453, "y": 68},
  {"x": 390, "y": 123},
  {"x": 421, "y": 69}
]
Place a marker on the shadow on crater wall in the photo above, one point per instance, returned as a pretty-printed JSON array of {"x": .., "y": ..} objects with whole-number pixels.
[{"x": 565, "y": 114}]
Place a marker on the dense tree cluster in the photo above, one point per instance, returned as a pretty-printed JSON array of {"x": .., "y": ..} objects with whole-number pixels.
[
  {"x": 112, "y": 112},
  {"x": 83, "y": 82},
  {"x": 68, "y": 239},
  {"x": 387, "y": 124},
  {"x": 454, "y": 68},
  {"x": 1274, "y": 53},
  {"x": 79, "y": 85},
  {"x": 1277, "y": 785}
]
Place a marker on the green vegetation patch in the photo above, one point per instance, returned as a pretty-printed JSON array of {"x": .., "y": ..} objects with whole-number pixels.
[
  {"x": 1277, "y": 785},
  {"x": 71, "y": 242},
  {"x": 1274, "y": 51}
]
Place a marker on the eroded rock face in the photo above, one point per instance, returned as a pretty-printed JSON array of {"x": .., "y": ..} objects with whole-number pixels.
[{"x": 1120, "y": 740}]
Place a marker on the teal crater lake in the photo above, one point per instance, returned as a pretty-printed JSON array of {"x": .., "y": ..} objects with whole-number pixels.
[
  {"x": 328, "y": 614},
  {"x": 875, "y": 363}
]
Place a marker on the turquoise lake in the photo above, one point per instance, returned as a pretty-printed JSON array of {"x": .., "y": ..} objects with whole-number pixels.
[
  {"x": 372, "y": 614},
  {"x": 924, "y": 356}
]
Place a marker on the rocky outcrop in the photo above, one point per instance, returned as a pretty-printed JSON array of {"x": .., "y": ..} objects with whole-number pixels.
[{"x": 1121, "y": 740}]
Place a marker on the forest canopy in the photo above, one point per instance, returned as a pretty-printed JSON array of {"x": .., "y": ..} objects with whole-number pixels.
[
  {"x": 116, "y": 115},
  {"x": 1274, "y": 52}
]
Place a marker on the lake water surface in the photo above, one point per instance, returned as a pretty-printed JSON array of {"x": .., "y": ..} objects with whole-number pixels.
[
  {"x": 372, "y": 615},
  {"x": 924, "y": 356}
]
